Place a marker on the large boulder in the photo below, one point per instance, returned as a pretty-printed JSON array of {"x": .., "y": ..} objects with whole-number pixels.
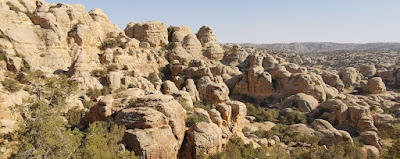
[
  {"x": 201, "y": 138},
  {"x": 310, "y": 84},
  {"x": 206, "y": 35},
  {"x": 328, "y": 134},
  {"x": 304, "y": 102},
  {"x": 334, "y": 110},
  {"x": 371, "y": 138},
  {"x": 256, "y": 83},
  {"x": 191, "y": 88},
  {"x": 350, "y": 77},
  {"x": 102, "y": 110},
  {"x": 367, "y": 70},
  {"x": 376, "y": 86},
  {"x": 153, "y": 32}
]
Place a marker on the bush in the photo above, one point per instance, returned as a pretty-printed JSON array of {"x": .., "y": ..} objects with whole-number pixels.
[
  {"x": 341, "y": 150},
  {"x": 93, "y": 93},
  {"x": 112, "y": 67},
  {"x": 261, "y": 114},
  {"x": 102, "y": 141},
  {"x": 99, "y": 73},
  {"x": 293, "y": 117},
  {"x": 237, "y": 149},
  {"x": 184, "y": 104},
  {"x": 193, "y": 119},
  {"x": 202, "y": 105},
  {"x": 153, "y": 77},
  {"x": 11, "y": 85},
  {"x": 165, "y": 73}
]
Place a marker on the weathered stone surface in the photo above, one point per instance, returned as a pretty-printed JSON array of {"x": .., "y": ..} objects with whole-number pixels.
[
  {"x": 202, "y": 138},
  {"x": 191, "y": 88},
  {"x": 367, "y": 70},
  {"x": 102, "y": 110},
  {"x": 152, "y": 142},
  {"x": 371, "y": 138},
  {"x": 328, "y": 134},
  {"x": 304, "y": 102},
  {"x": 153, "y": 32},
  {"x": 256, "y": 83},
  {"x": 349, "y": 77},
  {"x": 206, "y": 35},
  {"x": 337, "y": 109},
  {"x": 375, "y": 85},
  {"x": 141, "y": 118}
]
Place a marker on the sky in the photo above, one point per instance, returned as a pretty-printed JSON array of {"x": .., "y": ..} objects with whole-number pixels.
[{"x": 265, "y": 21}]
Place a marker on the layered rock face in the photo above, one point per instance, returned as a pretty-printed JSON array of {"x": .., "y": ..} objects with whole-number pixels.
[{"x": 156, "y": 80}]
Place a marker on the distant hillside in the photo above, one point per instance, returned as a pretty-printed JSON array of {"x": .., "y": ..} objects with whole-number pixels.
[{"x": 308, "y": 47}]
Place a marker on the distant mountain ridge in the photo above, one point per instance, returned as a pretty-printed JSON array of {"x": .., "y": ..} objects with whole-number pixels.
[{"x": 309, "y": 47}]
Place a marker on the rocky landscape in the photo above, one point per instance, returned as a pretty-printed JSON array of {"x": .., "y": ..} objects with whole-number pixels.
[{"x": 74, "y": 85}]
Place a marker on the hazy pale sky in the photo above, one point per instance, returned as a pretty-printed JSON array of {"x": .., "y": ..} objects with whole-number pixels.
[{"x": 265, "y": 21}]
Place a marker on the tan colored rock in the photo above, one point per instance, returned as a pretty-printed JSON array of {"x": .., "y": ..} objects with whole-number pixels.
[
  {"x": 376, "y": 86},
  {"x": 191, "y": 44},
  {"x": 338, "y": 109},
  {"x": 302, "y": 128},
  {"x": 328, "y": 134},
  {"x": 367, "y": 70},
  {"x": 213, "y": 92},
  {"x": 191, "y": 88},
  {"x": 257, "y": 84},
  {"x": 310, "y": 84},
  {"x": 206, "y": 35},
  {"x": 349, "y": 76},
  {"x": 304, "y": 102},
  {"x": 169, "y": 87},
  {"x": 361, "y": 117},
  {"x": 114, "y": 79},
  {"x": 202, "y": 138},
  {"x": 141, "y": 118},
  {"x": 371, "y": 138},
  {"x": 153, "y": 32},
  {"x": 215, "y": 116},
  {"x": 167, "y": 105},
  {"x": 214, "y": 52},
  {"x": 102, "y": 110},
  {"x": 369, "y": 149},
  {"x": 180, "y": 32},
  {"x": 383, "y": 121},
  {"x": 333, "y": 80},
  {"x": 152, "y": 142}
]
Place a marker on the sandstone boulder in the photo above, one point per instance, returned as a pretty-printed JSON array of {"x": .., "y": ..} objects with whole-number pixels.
[
  {"x": 204, "y": 138},
  {"x": 376, "y": 86},
  {"x": 153, "y": 32},
  {"x": 367, "y": 70}
]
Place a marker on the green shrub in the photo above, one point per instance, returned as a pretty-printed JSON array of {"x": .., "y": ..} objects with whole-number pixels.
[
  {"x": 202, "y": 105},
  {"x": 293, "y": 117},
  {"x": 112, "y": 67},
  {"x": 185, "y": 105},
  {"x": 99, "y": 73},
  {"x": 76, "y": 116},
  {"x": 106, "y": 91},
  {"x": 261, "y": 114},
  {"x": 165, "y": 73},
  {"x": 102, "y": 141},
  {"x": 341, "y": 150},
  {"x": 193, "y": 119},
  {"x": 132, "y": 86},
  {"x": 93, "y": 93},
  {"x": 237, "y": 149},
  {"x": 88, "y": 103},
  {"x": 153, "y": 77},
  {"x": 11, "y": 85}
]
